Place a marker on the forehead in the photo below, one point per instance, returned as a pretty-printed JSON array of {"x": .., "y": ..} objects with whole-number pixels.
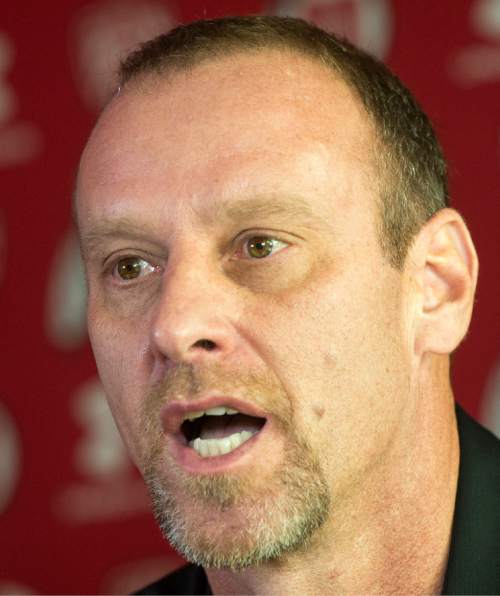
[{"x": 257, "y": 121}]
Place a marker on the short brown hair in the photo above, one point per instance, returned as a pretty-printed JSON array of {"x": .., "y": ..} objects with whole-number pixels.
[{"x": 413, "y": 182}]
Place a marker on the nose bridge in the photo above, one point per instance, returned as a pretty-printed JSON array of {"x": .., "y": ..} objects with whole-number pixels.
[{"x": 193, "y": 314}]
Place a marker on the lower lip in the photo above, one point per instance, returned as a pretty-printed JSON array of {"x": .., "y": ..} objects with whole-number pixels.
[{"x": 194, "y": 463}]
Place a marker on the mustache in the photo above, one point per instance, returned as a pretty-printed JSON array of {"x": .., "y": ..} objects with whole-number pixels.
[{"x": 188, "y": 382}]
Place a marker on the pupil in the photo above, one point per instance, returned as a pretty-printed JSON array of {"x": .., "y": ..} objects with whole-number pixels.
[
  {"x": 260, "y": 247},
  {"x": 129, "y": 269}
]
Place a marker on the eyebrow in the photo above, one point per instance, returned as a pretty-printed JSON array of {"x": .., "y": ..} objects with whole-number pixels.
[
  {"x": 109, "y": 229},
  {"x": 261, "y": 207},
  {"x": 266, "y": 207}
]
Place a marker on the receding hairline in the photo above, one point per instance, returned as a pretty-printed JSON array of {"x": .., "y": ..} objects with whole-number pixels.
[
  {"x": 176, "y": 64},
  {"x": 203, "y": 49},
  {"x": 150, "y": 80}
]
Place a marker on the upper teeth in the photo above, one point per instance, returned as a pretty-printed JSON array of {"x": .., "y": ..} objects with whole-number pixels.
[{"x": 217, "y": 411}]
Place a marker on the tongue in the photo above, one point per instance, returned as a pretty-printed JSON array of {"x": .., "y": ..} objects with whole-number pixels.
[{"x": 218, "y": 427}]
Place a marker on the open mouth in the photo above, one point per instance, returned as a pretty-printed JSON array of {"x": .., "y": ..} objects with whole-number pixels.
[{"x": 219, "y": 430}]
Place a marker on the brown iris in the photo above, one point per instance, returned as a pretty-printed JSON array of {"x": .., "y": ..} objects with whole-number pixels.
[
  {"x": 129, "y": 268},
  {"x": 260, "y": 246}
]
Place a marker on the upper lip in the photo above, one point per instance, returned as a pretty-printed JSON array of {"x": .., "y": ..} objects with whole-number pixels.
[{"x": 174, "y": 413}]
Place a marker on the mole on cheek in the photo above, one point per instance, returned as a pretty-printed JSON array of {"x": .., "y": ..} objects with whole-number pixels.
[
  {"x": 319, "y": 410},
  {"x": 329, "y": 359}
]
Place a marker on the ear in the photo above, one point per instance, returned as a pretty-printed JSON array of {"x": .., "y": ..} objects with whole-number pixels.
[{"x": 443, "y": 266}]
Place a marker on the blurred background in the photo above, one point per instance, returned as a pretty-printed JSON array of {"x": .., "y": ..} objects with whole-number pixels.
[{"x": 74, "y": 516}]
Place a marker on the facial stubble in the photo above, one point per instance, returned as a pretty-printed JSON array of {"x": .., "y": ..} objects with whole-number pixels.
[{"x": 226, "y": 520}]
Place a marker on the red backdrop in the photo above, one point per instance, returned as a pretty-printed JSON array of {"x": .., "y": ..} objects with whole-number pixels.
[{"x": 74, "y": 517}]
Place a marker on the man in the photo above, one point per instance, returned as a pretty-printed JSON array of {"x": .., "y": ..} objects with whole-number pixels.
[{"x": 275, "y": 287}]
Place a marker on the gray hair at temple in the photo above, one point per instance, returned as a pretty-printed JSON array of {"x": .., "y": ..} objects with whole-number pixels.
[{"x": 409, "y": 159}]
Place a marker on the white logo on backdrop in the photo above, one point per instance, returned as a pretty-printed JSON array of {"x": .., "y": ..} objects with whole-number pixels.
[
  {"x": 103, "y": 34},
  {"x": 110, "y": 486},
  {"x": 367, "y": 23},
  {"x": 19, "y": 141},
  {"x": 480, "y": 62},
  {"x": 490, "y": 404},
  {"x": 65, "y": 313},
  {"x": 100, "y": 452},
  {"x": 10, "y": 459}
]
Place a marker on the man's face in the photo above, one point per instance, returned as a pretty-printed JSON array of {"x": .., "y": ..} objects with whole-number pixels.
[{"x": 228, "y": 219}]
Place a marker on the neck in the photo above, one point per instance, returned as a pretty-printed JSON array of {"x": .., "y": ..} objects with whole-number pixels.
[{"x": 392, "y": 534}]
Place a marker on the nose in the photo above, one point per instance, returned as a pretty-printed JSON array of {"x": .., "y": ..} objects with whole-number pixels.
[{"x": 194, "y": 318}]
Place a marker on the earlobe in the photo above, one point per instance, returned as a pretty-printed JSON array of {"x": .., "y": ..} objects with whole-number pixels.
[{"x": 447, "y": 273}]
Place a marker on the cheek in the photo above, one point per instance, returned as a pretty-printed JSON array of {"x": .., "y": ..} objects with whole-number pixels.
[
  {"x": 117, "y": 332},
  {"x": 120, "y": 362},
  {"x": 336, "y": 345}
]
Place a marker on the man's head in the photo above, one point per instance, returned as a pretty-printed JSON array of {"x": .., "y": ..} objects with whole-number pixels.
[{"x": 229, "y": 212}]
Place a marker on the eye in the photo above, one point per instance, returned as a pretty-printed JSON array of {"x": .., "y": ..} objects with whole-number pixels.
[
  {"x": 258, "y": 247},
  {"x": 131, "y": 268}
]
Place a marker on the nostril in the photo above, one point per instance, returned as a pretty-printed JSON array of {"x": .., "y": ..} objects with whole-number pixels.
[{"x": 205, "y": 344}]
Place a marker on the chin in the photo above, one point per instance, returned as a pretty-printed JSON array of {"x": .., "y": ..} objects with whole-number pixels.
[{"x": 232, "y": 523}]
